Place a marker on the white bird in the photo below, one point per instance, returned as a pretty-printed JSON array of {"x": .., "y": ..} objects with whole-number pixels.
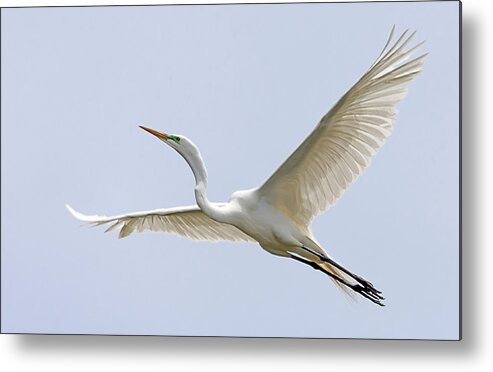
[{"x": 277, "y": 215}]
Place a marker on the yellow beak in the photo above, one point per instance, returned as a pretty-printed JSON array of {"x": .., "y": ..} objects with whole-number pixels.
[{"x": 161, "y": 136}]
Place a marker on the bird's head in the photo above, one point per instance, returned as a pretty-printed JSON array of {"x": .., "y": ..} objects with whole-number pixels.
[{"x": 180, "y": 143}]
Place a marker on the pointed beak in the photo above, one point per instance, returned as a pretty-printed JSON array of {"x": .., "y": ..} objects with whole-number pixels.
[{"x": 161, "y": 136}]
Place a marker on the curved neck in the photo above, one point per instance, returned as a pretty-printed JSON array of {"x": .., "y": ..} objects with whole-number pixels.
[{"x": 200, "y": 173}]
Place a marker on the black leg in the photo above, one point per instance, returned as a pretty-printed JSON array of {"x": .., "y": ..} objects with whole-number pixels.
[
  {"x": 364, "y": 288},
  {"x": 316, "y": 267},
  {"x": 343, "y": 269}
]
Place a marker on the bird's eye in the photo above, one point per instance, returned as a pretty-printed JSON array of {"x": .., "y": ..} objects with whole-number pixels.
[{"x": 175, "y": 138}]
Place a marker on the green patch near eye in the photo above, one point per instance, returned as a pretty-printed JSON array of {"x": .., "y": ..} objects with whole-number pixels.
[{"x": 175, "y": 138}]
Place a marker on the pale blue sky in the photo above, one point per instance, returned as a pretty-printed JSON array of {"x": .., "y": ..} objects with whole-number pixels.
[{"x": 246, "y": 83}]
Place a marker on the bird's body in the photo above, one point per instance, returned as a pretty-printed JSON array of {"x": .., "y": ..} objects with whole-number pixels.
[
  {"x": 277, "y": 215},
  {"x": 267, "y": 225}
]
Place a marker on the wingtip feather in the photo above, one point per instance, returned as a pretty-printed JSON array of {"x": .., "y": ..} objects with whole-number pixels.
[
  {"x": 80, "y": 216},
  {"x": 73, "y": 212}
]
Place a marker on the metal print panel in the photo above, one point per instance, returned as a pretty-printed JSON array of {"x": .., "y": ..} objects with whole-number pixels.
[{"x": 339, "y": 125}]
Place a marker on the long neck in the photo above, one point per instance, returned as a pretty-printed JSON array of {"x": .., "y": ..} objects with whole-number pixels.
[{"x": 200, "y": 173}]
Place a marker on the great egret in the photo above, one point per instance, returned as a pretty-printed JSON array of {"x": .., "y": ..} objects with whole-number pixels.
[{"x": 277, "y": 215}]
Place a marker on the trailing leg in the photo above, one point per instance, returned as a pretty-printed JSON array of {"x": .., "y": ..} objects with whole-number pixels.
[{"x": 339, "y": 274}]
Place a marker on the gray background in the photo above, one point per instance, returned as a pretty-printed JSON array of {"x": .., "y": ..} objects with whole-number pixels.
[{"x": 247, "y": 84}]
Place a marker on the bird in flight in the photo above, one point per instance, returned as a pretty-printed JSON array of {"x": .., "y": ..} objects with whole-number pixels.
[{"x": 277, "y": 215}]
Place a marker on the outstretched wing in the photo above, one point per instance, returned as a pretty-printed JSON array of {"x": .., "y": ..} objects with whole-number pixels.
[
  {"x": 190, "y": 222},
  {"x": 344, "y": 141}
]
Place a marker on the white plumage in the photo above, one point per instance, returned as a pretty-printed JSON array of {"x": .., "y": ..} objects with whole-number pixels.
[
  {"x": 277, "y": 215},
  {"x": 185, "y": 221},
  {"x": 344, "y": 141}
]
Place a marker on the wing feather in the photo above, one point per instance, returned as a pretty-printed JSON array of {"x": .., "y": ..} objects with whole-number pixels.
[
  {"x": 342, "y": 144},
  {"x": 189, "y": 221}
]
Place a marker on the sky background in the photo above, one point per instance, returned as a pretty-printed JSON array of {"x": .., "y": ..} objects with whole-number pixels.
[{"x": 246, "y": 83}]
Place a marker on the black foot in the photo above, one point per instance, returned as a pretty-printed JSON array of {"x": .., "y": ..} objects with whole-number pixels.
[{"x": 364, "y": 287}]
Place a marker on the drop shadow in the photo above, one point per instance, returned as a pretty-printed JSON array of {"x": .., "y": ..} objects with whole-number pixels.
[{"x": 471, "y": 203}]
